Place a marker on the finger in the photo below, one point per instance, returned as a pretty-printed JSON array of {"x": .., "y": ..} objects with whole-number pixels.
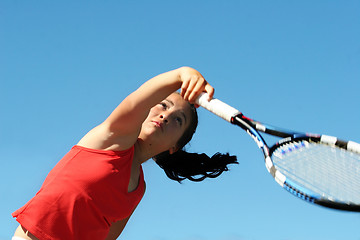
[
  {"x": 184, "y": 87},
  {"x": 210, "y": 90},
  {"x": 199, "y": 87},
  {"x": 190, "y": 88}
]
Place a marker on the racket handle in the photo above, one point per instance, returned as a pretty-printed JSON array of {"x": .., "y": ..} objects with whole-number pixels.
[{"x": 217, "y": 107}]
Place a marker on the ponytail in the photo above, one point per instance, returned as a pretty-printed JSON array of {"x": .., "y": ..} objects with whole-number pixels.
[{"x": 195, "y": 167}]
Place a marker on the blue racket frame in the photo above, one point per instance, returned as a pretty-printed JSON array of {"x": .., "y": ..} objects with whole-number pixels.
[{"x": 252, "y": 127}]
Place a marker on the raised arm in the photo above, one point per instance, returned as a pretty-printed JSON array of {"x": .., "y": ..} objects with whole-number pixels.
[{"x": 124, "y": 123}]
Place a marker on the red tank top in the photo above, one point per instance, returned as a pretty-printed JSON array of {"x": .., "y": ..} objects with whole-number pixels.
[{"x": 82, "y": 196}]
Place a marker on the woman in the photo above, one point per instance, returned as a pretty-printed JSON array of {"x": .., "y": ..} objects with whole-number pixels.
[{"x": 92, "y": 192}]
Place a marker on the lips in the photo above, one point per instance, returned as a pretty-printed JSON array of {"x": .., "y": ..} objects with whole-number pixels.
[{"x": 158, "y": 124}]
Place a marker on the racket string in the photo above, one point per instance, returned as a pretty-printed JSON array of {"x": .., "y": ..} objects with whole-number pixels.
[{"x": 328, "y": 171}]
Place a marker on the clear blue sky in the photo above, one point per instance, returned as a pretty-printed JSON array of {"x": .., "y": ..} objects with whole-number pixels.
[{"x": 65, "y": 65}]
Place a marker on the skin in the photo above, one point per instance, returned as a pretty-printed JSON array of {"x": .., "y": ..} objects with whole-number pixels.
[{"x": 152, "y": 119}]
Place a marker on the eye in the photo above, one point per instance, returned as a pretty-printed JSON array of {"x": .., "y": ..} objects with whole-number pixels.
[
  {"x": 164, "y": 105},
  {"x": 179, "y": 120}
]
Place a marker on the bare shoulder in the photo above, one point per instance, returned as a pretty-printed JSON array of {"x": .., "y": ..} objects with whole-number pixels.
[{"x": 102, "y": 138}]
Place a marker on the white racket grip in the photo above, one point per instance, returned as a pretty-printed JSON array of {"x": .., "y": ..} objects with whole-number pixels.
[{"x": 217, "y": 107}]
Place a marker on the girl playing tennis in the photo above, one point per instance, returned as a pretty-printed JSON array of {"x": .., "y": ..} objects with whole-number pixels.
[{"x": 93, "y": 190}]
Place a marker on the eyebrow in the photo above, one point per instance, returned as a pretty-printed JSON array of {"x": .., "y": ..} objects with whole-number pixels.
[
  {"x": 181, "y": 112},
  {"x": 171, "y": 102}
]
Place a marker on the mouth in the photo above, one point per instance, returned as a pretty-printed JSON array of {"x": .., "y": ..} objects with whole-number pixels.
[{"x": 157, "y": 124}]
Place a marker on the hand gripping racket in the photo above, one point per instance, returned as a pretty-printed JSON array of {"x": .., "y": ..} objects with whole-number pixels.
[{"x": 319, "y": 169}]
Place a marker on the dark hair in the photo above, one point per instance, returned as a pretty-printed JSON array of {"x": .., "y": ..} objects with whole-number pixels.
[{"x": 193, "y": 166}]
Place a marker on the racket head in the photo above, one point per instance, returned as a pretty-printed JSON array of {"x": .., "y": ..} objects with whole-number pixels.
[{"x": 319, "y": 169}]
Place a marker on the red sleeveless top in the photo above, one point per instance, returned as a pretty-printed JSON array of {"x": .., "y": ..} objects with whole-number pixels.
[{"x": 82, "y": 196}]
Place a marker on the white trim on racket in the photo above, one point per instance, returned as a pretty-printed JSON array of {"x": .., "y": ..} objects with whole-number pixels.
[{"x": 217, "y": 107}]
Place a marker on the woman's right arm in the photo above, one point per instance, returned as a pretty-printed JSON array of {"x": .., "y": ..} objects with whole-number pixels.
[{"x": 124, "y": 123}]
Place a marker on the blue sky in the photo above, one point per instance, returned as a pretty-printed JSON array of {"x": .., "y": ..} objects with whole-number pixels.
[{"x": 65, "y": 65}]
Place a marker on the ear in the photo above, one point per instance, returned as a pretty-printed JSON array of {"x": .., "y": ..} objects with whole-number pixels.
[{"x": 173, "y": 150}]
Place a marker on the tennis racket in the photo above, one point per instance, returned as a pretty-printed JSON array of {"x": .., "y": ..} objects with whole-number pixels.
[{"x": 319, "y": 169}]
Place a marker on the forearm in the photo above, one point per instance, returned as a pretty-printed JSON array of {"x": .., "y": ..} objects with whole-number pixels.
[
  {"x": 133, "y": 110},
  {"x": 156, "y": 89}
]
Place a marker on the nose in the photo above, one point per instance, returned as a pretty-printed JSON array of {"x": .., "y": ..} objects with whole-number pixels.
[{"x": 164, "y": 118}]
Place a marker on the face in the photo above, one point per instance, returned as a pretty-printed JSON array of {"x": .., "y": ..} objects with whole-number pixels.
[{"x": 166, "y": 123}]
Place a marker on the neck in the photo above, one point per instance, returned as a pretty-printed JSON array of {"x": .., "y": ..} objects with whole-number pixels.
[{"x": 142, "y": 153}]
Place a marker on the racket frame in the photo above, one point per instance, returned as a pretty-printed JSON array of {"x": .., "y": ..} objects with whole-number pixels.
[{"x": 253, "y": 127}]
